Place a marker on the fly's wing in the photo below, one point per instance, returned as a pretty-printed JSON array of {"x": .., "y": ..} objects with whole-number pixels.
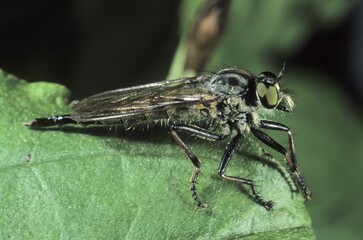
[{"x": 132, "y": 103}]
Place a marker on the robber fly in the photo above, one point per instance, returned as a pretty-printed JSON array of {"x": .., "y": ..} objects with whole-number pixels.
[{"x": 206, "y": 106}]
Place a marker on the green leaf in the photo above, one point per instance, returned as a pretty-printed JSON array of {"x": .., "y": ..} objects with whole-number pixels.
[{"x": 96, "y": 183}]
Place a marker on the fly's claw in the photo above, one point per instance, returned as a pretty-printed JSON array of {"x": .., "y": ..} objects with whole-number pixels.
[
  {"x": 266, "y": 204},
  {"x": 307, "y": 193},
  {"x": 198, "y": 201},
  {"x": 193, "y": 189},
  {"x": 269, "y": 205}
]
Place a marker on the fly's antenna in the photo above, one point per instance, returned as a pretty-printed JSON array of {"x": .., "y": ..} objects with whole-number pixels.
[{"x": 281, "y": 72}]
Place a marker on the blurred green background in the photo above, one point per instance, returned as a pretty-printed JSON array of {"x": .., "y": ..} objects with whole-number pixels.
[{"x": 91, "y": 46}]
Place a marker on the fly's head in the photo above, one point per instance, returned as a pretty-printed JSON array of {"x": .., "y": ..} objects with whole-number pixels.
[{"x": 270, "y": 94}]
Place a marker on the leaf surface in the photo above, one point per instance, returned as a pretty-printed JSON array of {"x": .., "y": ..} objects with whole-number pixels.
[{"x": 96, "y": 183}]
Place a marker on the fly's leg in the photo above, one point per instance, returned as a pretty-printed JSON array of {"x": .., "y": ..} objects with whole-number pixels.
[
  {"x": 196, "y": 171},
  {"x": 199, "y": 132},
  {"x": 50, "y": 121},
  {"x": 289, "y": 157},
  {"x": 227, "y": 156}
]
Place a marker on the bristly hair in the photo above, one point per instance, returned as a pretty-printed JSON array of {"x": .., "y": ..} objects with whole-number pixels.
[
  {"x": 279, "y": 76},
  {"x": 215, "y": 69},
  {"x": 286, "y": 104},
  {"x": 289, "y": 91},
  {"x": 287, "y": 101},
  {"x": 288, "y": 94}
]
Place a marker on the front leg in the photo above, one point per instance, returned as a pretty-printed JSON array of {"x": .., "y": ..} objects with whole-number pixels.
[
  {"x": 199, "y": 132},
  {"x": 289, "y": 157}
]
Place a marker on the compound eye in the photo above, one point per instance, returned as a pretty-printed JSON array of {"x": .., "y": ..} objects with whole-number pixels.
[{"x": 269, "y": 94}]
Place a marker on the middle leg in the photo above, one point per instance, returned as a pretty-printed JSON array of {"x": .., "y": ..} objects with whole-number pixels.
[{"x": 227, "y": 156}]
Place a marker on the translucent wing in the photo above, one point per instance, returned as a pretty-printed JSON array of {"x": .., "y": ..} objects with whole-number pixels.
[{"x": 136, "y": 102}]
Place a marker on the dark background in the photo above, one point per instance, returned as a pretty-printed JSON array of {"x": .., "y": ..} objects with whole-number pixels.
[
  {"x": 92, "y": 46},
  {"x": 89, "y": 46}
]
